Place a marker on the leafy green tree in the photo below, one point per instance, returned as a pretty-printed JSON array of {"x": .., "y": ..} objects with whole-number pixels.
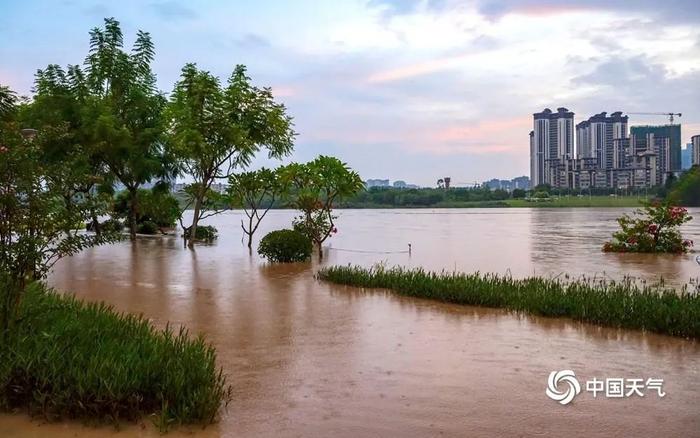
[
  {"x": 38, "y": 226},
  {"x": 686, "y": 191},
  {"x": 215, "y": 130},
  {"x": 543, "y": 188},
  {"x": 519, "y": 194},
  {"x": 317, "y": 186},
  {"x": 61, "y": 105},
  {"x": 8, "y": 100},
  {"x": 255, "y": 192},
  {"x": 125, "y": 112}
]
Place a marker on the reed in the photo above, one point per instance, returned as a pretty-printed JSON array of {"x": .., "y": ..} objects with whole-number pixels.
[
  {"x": 622, "y": 304},
  {"x": 69, "y": 359}
]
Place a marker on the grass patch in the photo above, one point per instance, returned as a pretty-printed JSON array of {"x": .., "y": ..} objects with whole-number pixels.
[
  {"x": 616, "y": 304},
  {"x": 65, "y": 358}
]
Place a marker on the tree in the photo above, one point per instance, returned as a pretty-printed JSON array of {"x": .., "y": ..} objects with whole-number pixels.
[
  {"x": 38, "y": 226},
  {"x": 543, "y": 188},
  {"x": 686, "y": 191},
  {"x": 256, "y": 193},
  {"x": 8, "y": 99},
  {"x": 317, "y": 185},
  {"x": 519, "y": 194},
  {"x": 215, "y": 130},
  {"x": 60, "y": 105},
  {"x": 125, "y": 112}
]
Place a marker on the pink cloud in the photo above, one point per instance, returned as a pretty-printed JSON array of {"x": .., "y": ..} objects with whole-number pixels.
[
  {"x": 483, "y": 129},
  {"x": 486, "y": 137},
  {"x": 548, "y": 10},
  {"x": 285, "y": 91},
  {"x": 418, "y": 69}
]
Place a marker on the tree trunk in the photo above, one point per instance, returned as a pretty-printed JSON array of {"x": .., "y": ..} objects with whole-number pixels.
[
  {"x": 195, "y": 222},
  {"x": 132, "y": 213},
  {"x": 95, "y": 222},
  {"x": 320, "y": 251},
  {"x": 250, "y": 232}
]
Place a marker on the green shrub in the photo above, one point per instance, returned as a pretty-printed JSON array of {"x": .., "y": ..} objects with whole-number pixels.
[
  {"x": 147, "y": 227},
  {"x": 69, "y": 359},
  {"x": 285, "y": 246},
  {"x": 205, "y": 233},
  {"x": 616, "y": 304},
  {"x": 112, "y": 225},
  {"x": 108, "y": 226},
  {"x": 156, "y": 206}
]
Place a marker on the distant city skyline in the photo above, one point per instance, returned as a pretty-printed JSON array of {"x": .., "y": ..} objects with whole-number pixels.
[
  {"x": 405, "y": 89},
  {"x": 604, "y": 153}
]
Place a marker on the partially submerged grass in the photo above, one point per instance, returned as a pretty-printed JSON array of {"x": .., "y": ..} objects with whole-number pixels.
[
  {"x": 616, "y": 304},
  {"x": 70, "y": 359}
]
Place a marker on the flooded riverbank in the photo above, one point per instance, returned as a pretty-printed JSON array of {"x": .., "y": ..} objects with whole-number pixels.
[{"x": 312, "y": 359}]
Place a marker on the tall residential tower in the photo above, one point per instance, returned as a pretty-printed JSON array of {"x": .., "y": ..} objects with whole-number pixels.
[
  {"x": 595, "y": 137},
  {"x": 671, "y": 132},
  {"x": 551, "y": 139}
]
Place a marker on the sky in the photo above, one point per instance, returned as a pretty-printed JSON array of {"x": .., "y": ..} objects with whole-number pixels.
[{"x": 411, "y": 90}]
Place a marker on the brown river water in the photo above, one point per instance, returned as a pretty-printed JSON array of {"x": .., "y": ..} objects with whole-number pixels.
[{"x": 307, "y": 358}]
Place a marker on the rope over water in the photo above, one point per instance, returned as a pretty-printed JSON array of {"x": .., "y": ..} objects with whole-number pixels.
[
  {"x": 364, "y": 251},
  {"x": 368, "y": 251}
]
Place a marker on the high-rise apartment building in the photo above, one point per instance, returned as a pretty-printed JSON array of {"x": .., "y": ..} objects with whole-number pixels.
[
  {"x": 595, "y": 137},
  {"x": 695, "y": 140},
  {"x": 672, "y": 132},
  {"x": 551, "y": 139}
]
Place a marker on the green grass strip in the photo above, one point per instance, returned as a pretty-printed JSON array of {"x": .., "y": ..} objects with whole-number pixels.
[
  {"x": 69, "y": 359},
  {"x": 608, "y": 303}
]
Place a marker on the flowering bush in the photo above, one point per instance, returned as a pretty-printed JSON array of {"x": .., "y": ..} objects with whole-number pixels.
[{"x": 655, "y": 231}]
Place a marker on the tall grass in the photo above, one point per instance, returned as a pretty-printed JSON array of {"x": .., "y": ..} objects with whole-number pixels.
[
  {"x": 66, "y": 358},
  {"x": 616, "y": 304}
]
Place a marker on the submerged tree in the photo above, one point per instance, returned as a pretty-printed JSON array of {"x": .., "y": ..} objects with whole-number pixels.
[
  {"x": 255, "y": 192},
  {"x": 316, "y": 187},
  {"x": 124, "y": 112},
  {"x": 215, "y": 130}
]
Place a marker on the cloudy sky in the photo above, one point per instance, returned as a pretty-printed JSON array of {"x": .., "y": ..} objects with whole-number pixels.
[{"x": 412, "y": 89}]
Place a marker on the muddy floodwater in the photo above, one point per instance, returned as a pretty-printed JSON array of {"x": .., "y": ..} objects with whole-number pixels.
[{"x": 307, "y": 358}]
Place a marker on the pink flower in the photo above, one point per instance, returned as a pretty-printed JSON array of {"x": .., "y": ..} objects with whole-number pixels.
[
  {"x": 3, "y": 149},
  {"x": 652, "y": 228}
]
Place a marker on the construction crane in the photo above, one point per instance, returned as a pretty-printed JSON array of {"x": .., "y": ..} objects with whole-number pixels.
[{"x": 670, "y": 115}]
